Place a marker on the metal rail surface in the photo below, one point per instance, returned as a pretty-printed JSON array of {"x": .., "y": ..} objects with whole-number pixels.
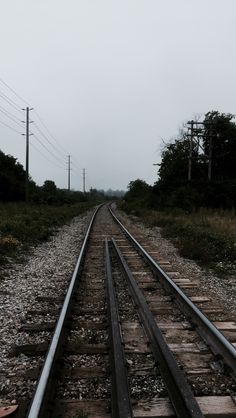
[
  {"x": 37, "y": 403},
  {"x": 181, "y": 396},
  {"x": 212, "y": 336},
  {"x": 121, "y": 404}
]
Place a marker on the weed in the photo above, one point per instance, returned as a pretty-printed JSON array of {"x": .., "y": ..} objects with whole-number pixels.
[
  {"x": 24, "y": 225},
  {"x": 207, "y": 236}
]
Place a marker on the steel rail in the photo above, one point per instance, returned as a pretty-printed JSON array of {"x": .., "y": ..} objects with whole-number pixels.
[
  {"x": 37, "y": 406},
  {"x": 213, "y": 337},
  {"x": 181, "y": 396},
  {"x": 121, "y": 404}
]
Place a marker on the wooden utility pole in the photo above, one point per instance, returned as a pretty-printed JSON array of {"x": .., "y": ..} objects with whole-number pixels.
[
  {"x": 210, "y": 155},
  {"x": 84, "y": 180},
  {"x": 27, "y": 135},
  {"x": 195, "y": 133},
  {"x": 190, "y": 151},
  {"x": 69, "y": 169}
]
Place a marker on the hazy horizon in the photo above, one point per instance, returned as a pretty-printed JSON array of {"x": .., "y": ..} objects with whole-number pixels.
[{"x": 110, "y": 81}]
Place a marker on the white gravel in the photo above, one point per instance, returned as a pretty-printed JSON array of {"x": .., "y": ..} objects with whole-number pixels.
[{"x": 45, "y": 272}]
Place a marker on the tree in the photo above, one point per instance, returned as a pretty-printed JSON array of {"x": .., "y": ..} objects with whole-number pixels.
[
  {"x": 222, "y": 131},
  {"x": 12, "y": 179},
  {"x": 49, "y": 187},
  {"x": 137, "y": 189},
  {"x": 174, "y": 164}
]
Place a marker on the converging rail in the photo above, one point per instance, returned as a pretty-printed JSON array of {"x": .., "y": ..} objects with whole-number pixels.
[
  {"x": 121, "y": 403},
  {"x": 212, "y": 336},
  {"x": 183, "y": 401},
  {"x": 38, "y": 405},
  {"x": 118, "y": 283}
]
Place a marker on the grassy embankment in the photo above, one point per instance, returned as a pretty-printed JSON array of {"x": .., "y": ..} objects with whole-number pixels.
[
  {"x": 23, "y": 225},
  {"x": 207, "y": 236}
]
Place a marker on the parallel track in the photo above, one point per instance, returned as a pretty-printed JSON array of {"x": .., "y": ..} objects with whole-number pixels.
[{"x": 181, "y": 395}]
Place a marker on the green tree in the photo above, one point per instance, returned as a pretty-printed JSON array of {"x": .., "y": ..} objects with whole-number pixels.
[
  {"x": 138, "y": 189},
  {"x": 12, "y": 179},
  {"x": 221, "y": 128},
  {"x": 174, "y": 164}
]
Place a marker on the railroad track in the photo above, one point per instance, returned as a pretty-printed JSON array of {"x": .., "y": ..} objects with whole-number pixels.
[{"x": 130, "y": 340}]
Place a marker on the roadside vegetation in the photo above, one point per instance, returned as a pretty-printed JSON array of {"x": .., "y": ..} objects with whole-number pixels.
[
  {"x": 197, "y": 213},
  {"x": 207, "y": 236},
  {"x": 22, "y": 226}
]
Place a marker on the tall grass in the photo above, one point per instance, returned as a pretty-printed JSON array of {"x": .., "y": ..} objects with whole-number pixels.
[
  {"x": 206, "y": 235},
  {"x": 22, "y": 225}
]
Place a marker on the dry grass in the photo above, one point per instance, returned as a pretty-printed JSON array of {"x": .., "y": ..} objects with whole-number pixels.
[
  {"x": 22, "y": 225},
  {"x": 207, "y": 236},
  {"x": 221, "y": 222}
]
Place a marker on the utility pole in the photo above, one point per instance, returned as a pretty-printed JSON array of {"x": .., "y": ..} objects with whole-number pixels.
[
  {"x": 69, "y": 169},
  {"x": 84, "y": 180},
  {"x": 210, "y": 155},
  {"x": 195, "y": 133},
  {"x": 190, "y": 151},
  {"x": 27, "y": 134}
]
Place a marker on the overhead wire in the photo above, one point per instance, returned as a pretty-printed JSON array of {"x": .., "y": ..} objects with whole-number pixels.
[
  {"x": 17, "y": 121},
  {"x": 45, "y": 137},
  {"x": 13, "y": 91},
  {"x": 11, "y": 114},
  {"x": 12, "y": 103},
  {"x": 40, "y": 152},
  {"x": 52, "y": 136},
  {"x": 44, "y": 146},
  {"x": 10, "y": 127}
]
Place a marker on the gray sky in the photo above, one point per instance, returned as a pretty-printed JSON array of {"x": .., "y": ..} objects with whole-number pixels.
[{"x": 110, "y": 79}]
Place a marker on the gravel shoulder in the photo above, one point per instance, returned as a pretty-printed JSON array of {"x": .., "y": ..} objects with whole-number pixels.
[
  {"x": 45, "y": 272},
  {"x": 221, "y": 290}
]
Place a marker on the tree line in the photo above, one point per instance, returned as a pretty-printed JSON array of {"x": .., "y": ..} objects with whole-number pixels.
[
  {"x": 208, "y": 153},
  {"x": 12, "y": 187}
]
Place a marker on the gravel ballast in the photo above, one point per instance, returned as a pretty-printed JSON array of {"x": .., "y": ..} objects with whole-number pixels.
[{"x": 45, "y": 273}]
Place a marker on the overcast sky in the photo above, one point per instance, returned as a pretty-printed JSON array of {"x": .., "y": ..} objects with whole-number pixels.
[{"x": 111, "y": 79}]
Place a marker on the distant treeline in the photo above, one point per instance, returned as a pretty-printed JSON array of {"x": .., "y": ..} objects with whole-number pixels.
[
  {"x": 12, "y": 187},
  {"x": 213, "y": 186}
]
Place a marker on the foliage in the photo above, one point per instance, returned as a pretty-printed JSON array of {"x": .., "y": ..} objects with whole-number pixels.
[
  {"x": 222, "y": 129},
  {"x": 207, "y": 236},
  {"x": 22, "y": 225},
  {"x": 12, "y": 179},
  {"x": 139, "y": 193},
  {"x": 174, "y": 165},
  {"x": 137, "y": 188},
  {"x": 173, "y": 188}
]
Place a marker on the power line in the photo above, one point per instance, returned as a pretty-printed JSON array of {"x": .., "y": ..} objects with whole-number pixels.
[
  {"x": 79, "y": 166},
  {"x": 45, "y": 126},
  {"x": 15, "y": 105},
  {"x": 48, "y": 159},
  {"x": 10, "y": 117},
  {"x": 77, "y": 172},
  {"x": 44, "y": 146},
  {"x": 13, "y": 91},
  {"x": 45, "y": 137},
  {"x": 54, "y": 139},
  {"x": 11, "y": 114},
  {"x": 10, "y": 102},
  {"x": 10, "y": 127}
]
